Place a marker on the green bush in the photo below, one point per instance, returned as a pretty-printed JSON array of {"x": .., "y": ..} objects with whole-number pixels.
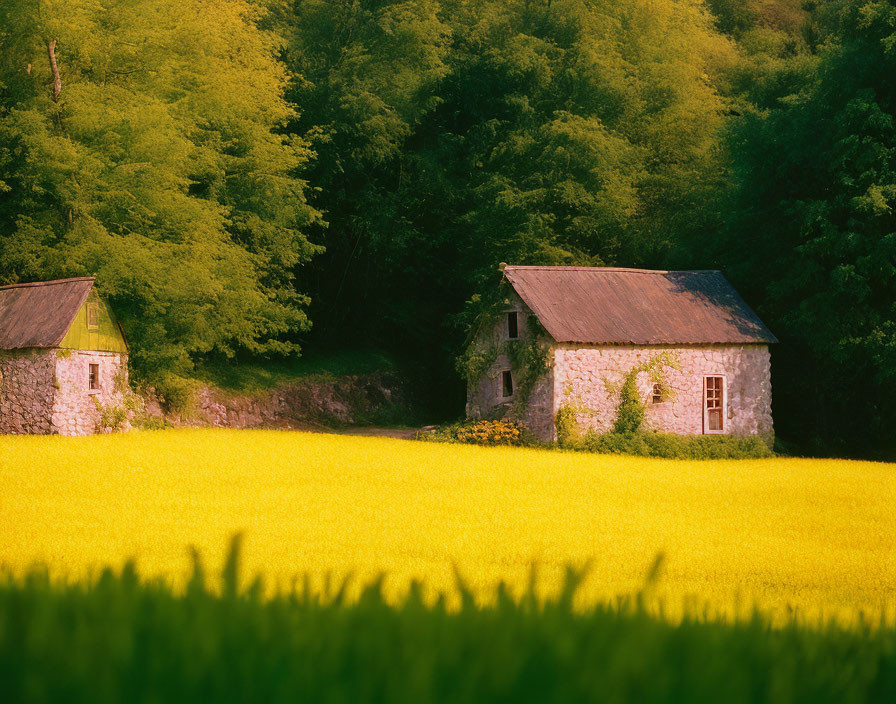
[
  {"x": 567, "y": 425},
  {"x": 177, "y": 394},
  {"x": 113, "y": 417},
  {"x": 120, "y": 638},
  {"x": 144, "y": 421},
  {"x": 668, "y": 445}
]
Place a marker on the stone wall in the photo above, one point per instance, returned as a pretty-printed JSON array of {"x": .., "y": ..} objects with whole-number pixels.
[
  {"x": 77, "y": 410},
  {"x": 27, "y": 388},
  {"x": 486, "y": 400},
  {"x": 589, "y": 378},
  {"x": 310, "y": 402}
]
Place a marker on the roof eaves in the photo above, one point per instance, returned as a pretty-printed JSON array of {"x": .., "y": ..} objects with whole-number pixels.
[
  {"x": 48, "y": 283},
  {"x": 608, "y": 269}
]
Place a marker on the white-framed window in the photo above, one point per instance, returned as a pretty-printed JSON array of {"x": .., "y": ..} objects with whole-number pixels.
[
  {"x": 505, "y": 383},
  {"x": 656, "y": 395},
  {"x": 715, "y": 404},
  {"x": 93, "y": 377},
  {"x": 513, "y": 325}
]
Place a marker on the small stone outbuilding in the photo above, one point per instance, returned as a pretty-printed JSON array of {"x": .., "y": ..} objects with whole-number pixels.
[
  {"x": 566, "y": 340},
  {"x": 63, "y": 358}
]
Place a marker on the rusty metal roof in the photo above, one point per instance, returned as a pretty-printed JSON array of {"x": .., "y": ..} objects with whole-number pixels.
[
  {"x": 637, "y": 306},
  {"x": 39, "y": 314}
]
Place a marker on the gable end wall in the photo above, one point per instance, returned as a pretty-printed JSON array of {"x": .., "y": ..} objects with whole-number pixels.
[
  {"x": 105, "y": 337},
  {"x": 484, "y": 399},
  {"x": 75, "y": 409},
  {"x": 44, "y": 391}
]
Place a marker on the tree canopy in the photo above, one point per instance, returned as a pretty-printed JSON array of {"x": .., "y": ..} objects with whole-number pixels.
[
  {"x": 811, "y": 236},
  {"x": 234, "y": 170},
  {"x": 161, "y": 166}
]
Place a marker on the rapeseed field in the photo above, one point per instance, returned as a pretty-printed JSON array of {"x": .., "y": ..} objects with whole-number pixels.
[{"x": 811, "y": 537}]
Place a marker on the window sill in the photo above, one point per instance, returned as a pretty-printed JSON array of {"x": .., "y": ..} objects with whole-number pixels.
[{"x": 93, "y": 392}]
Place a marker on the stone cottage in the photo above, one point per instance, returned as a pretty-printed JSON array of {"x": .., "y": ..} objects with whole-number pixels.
[
  {"x": 566, "y": 340},
  {"x": 63, "y": 358}
]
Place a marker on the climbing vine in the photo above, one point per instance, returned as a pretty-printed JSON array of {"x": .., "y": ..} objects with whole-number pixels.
[
  {"x": 476, "y": 360},
  {"x": 531, "y": 361},
  {"x": 630, "y": 411},
  {"x": 114, "y": 415},
  {"x": 530, "y": 358}
]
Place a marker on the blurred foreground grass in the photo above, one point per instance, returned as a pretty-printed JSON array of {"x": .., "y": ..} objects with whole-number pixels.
[{"x": 119, "y": 638}]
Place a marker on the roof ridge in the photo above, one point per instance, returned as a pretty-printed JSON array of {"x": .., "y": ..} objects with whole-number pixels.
[
  {"x": 49, "y": 283},
  {"x": 613, "y": 268}
]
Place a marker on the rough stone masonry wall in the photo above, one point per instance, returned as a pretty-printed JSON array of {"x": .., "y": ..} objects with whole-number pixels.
[
  {"x": 77, "y": 410},
  {"x": 314, "y": 401},
  {"x": 586, "y": 378},
  {"x": 27, "y": 388},
  {"x": 485, "y": 400}
]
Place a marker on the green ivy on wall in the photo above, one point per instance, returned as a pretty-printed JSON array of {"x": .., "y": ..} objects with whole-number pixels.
[
  {"x": 530, "y": 358},
  {"x": 630, "y": 411},
  {"x": 531, "y": 361},
  {"x": 476, "y": 360}
]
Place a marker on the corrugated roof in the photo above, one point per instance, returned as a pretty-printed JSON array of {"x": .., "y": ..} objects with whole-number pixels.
[
  {"x": 637, "y": 306},
  {"x": 39, "y": 314}
]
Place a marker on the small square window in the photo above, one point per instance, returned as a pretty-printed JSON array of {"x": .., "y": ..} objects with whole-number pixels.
[
  {"x": 657, "y": 396},
  {"x": 513, "y": 329},
  {"x": 93, "y": 377},
  {"x": 93, "y": 316},
  {"x": 506, "y": 384}
]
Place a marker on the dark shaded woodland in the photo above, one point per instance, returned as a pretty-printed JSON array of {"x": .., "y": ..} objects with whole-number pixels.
[{"x": 248, "y": 178}]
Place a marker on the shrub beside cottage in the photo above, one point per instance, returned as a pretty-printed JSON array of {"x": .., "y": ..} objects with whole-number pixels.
[
  {"x": 63, "y": 359},
  {"x": 575, "y": 349}
]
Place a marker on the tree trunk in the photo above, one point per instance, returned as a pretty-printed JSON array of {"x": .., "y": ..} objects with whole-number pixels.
[{"x": 57, "y": 80}]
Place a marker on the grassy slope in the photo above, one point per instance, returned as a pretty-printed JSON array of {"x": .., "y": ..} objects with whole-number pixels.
[
  {"x": 811, "y": 534},
  {"x": 249, "y": 376}
]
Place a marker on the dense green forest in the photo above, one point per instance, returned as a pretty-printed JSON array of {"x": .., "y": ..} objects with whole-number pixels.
[{"x": 250, "y": 177}]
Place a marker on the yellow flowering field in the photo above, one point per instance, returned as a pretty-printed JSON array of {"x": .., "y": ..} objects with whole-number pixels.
[{"x": 818, "y": 536}]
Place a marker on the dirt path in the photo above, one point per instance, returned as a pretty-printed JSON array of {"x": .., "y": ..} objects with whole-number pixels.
[{"x": 400, "y": 433}]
